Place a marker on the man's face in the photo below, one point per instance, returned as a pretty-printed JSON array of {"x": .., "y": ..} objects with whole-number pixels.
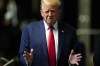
[{"x": 50, "y": 13}]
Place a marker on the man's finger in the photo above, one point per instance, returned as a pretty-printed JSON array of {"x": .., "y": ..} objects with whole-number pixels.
[
  {"x": 26, "y": 62},
  {"x": 77, "y": 63},
  {"x": 78, "y": 60},
  {"x": 79, "y": 57},
  {"x": 79, "y": 54},
  {"x": 25, "y": 53}
]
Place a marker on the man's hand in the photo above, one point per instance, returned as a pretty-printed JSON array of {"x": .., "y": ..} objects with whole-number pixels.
[
  {"x": 74, "y": 58},
  {"x": 28, "y": 57}
]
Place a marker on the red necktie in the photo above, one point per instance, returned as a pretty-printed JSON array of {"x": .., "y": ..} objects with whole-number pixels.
[{"x": 51, "y": 48}]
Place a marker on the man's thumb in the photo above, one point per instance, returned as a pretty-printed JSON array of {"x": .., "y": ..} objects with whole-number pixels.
[
  {"x": 31, "y": 51},
  {"x": 72, "y": 51}
]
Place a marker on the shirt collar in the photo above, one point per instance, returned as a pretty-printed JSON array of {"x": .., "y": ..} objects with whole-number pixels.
[{"x": 55, "y": 25}]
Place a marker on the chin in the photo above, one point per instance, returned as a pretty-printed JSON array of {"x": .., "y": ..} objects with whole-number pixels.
[{"x": 49, "y": 23}]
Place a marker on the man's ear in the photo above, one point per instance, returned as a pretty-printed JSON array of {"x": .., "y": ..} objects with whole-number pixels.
[{"x": 41, "y": 12}]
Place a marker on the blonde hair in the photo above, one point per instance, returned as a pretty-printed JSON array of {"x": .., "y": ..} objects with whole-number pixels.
[{"x": 51, "y": 2}]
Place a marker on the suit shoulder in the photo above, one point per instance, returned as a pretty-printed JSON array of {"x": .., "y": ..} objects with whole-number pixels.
[{"x": 33, "y": 24}]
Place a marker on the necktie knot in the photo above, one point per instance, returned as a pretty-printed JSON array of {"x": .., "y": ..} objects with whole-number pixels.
[{"x": 51, "y": 27}]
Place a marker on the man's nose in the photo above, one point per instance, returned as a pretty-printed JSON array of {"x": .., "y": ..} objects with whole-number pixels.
[{"x": 50, "y": 14}]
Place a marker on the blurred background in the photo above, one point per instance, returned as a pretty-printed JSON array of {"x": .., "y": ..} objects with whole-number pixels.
[{"x": 15, "y": 14}]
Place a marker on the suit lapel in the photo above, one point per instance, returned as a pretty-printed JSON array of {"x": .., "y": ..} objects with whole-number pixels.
[
  {"x": 60, "y": 39},
  {"x": 42, "y": 37}
]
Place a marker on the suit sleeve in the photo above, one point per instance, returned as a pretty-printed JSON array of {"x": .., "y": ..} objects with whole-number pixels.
[
  {"x": 79, "y": 48},
  {"x": 24, "y": 45}
]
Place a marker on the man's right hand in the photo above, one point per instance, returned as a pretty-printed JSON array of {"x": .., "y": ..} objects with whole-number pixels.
[{"x": 28, "y": 57}]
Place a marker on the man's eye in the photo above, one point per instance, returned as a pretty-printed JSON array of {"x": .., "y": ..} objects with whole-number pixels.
[
  {"x": 53, "y": 11},
  {"x": 46, "y": 11}
]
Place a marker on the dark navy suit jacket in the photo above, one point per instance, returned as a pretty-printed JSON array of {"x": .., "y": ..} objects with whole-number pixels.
[
  {"x": 96, "y": 57},
  {"x": 33, "y": 36}
]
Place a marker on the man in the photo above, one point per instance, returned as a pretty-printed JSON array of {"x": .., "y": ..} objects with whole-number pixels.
[
  {"x": 96, "y": 57},
  {"x": 35, "y": 48}
]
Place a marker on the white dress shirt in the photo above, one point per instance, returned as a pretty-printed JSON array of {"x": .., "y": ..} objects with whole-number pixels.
[{"x": 55, "y": 31}]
